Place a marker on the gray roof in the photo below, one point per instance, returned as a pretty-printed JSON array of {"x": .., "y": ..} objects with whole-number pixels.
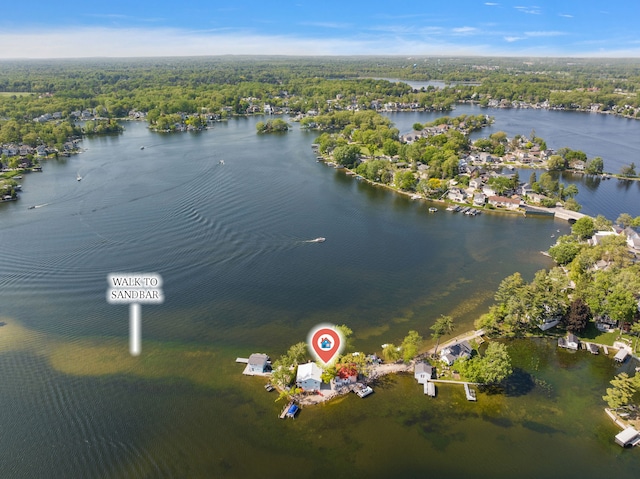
[{"x": 258, "y": 359}]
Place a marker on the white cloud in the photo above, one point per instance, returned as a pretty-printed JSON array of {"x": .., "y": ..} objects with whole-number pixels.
[
  {"x": 545, "y": 34},
  {"x": 335, "y": 25},
  {"x": 565, "y": 15},
  {"x": 464, "y": 30},
  {"x": 140, "y": 42},
  {"x": 529, "y": 10},
  {"x": 149, "y": 42},
  {"x": 491, "y": 4}
]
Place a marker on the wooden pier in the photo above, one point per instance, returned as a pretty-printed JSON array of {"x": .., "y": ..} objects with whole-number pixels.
[
  {"x": 283, "y": 414},
  {"x": 470, "y": 393},
  {"x": 430, "y": 389}
]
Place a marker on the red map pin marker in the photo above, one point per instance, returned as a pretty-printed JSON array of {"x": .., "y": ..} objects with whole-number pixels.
[{"x": 325, "y": 342}]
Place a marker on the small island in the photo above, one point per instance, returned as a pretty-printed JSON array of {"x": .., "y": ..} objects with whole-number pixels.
[{"x": 272, "y": 126}]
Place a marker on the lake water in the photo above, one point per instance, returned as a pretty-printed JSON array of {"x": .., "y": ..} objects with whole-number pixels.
[{"x": 239, "y": 277}]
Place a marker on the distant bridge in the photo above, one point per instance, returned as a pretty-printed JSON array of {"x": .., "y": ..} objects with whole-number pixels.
[{"x": 560, "y": 213}]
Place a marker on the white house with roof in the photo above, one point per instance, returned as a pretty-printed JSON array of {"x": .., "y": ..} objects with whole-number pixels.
[
  {"x": 423, "y": 372},
  {"x": 309, "y": 377},
  {"x": 452, "y": 353},
  {"x": 633, "y": 238},
  {"x": 258, "y": 363}
]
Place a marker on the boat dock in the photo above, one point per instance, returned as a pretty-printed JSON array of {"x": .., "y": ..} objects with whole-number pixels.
[
  {"x": 363, "y": 391},
  {"x": 286, "y": 410},
  {"x": 242, "y": 360},
  {"x": 470, "y": 393},
  {"x": 430, "y": 389}
]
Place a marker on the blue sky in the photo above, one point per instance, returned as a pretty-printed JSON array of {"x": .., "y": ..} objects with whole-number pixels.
[{"x": 116, "y": 28}]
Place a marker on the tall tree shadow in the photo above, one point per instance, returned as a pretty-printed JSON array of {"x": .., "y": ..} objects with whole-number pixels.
[{"x": 518, "y": 384}]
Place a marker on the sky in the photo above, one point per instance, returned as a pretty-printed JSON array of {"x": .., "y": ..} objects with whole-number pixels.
[{"x": 137, "y": 28}]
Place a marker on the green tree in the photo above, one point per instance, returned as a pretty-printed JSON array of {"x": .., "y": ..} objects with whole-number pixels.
[
  {"x": 491, "y": 368},
  {"x": 410, "y": 346},
  {"x": 564, "y": 252},
  {"x": 495, "y": 363},
  {"x": 624, "y": 220},
  {"x": 443, "y": 326},
  {"x": 601, "y": 223},
  {"x": 556, "y": 162},
  {"x": 509, "y": 287},
  {"x": 391, "y": 352},
  {"x": 621, "y": 304},
  {"x": 621, "y": 393},
  {"x": 500, "y": 184},
  {"x": 628, "y": 170},
  {"x": 583, "y": 228},
  {"x": 346, "y": 155},
  {"x": 595, "y": 166},
  {"x": 570, "y": 191},
  {"x": 572, "y": 205},
  {"x": 405, "y": 180},
  {"x": 346, "y": 332}
]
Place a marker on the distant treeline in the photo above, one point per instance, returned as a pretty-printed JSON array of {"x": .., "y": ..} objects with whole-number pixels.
[{"x": 217, "y": 87}]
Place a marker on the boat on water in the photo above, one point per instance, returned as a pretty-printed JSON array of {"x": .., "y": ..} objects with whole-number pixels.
[
  {"x": 318, "y": 240},
  {"x": 142, "y": 147},
  {"x": 364, "y": 391},
  {"x": 433, "y": 209},
  {"x": 221, "y": 162},
  {"x": 79, "y": 178},
  {"x": 31, "y": 207}
]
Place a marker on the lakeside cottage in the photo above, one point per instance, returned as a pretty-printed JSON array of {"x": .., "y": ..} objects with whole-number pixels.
[
  {"x": 258, "y": 363},
  {"x": 346, "y": 375},
  {"x": 424, "y": 372},
  {"x": 501, "y": 201},
  {"x": 309, "y": 377},
  {"x": 570, "y": 342},
  {"x": 451, "y": 354}
]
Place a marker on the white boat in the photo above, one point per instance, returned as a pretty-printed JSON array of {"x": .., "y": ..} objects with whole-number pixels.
[
  {"x": 318, "y": 240},
  {"x": 433, "y": 209},
  {"x": 79, "y": 178},
  {"x": 364, "y": 392},
  {"x": 221, "y": 162}
]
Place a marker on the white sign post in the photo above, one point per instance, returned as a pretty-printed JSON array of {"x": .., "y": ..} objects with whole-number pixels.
[{"x": 135, "y": 290}]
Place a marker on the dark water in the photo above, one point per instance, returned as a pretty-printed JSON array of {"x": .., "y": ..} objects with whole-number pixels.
[{"x": 239, "y": 277}]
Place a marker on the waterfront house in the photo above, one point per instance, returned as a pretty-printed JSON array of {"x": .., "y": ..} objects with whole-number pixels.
[
  {"x": 633, "y": 238},
  {"x": 479, "y": 199},
  {"x": 502, "y": 201},
  {"x": 423, "y": 372},
  {"x": 488, "y": 190},
  {"x": 346, "y": 375},
  {"x": 309, "y": 377},
  {"x": 475, "y": 183},
  {"x": 258, "y": 363},
  {"x": 452, "y": 353},
  {"x": 572, "y": 342},
  {"x": 457, "y": 195}
]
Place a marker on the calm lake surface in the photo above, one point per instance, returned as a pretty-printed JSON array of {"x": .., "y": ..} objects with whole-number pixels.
[{"x": 239, "y": 277}]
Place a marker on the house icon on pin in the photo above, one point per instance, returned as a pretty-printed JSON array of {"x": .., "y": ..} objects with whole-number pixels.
[{"x": 325, "y": 343}]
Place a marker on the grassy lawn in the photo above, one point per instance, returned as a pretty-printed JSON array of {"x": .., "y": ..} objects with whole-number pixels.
[
  {"x": 16, "y": 93},
  {"x": 593, "y": 334}
]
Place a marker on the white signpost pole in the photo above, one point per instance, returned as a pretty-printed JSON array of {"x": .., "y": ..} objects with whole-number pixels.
[{"x": 135, "y": 290}]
